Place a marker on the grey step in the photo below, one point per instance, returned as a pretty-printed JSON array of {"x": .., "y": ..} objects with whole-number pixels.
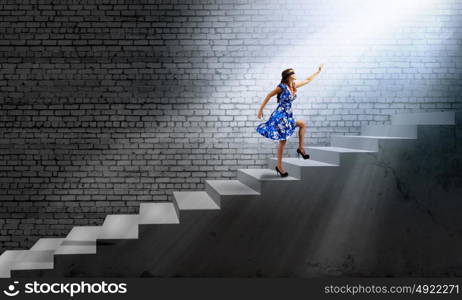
[
  {"x": 81, "y": 240},
  {"x": 221, "y": 190},
  {"x": 7, "y": 259},
  {"x": 332, "y": 155},
  {"x": 257, "y": 178},
  {"x": 32, "y": 260},
  {"x": 159, "y": 213},
  {"x": 409, "y": 131},
  {"x": 47, "y": 244},
  {"x": 193, "y": 200},
  {"x": 362, "y": 142},
  {"x": 299, "y": 167},
  {"x": 425, "y": 118},
  {"x": 119, "y": 227},
  {"x": 25, "y": 260}
]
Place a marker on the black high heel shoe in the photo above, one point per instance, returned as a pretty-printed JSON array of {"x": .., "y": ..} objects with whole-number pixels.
[
  {"x": 282, "y": 174},
  {"x": 305, "y": 156}
]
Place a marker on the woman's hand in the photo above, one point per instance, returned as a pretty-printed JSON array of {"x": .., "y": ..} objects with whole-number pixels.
[
  {"x": 260, "y": 114},
  {"x": 320, "y": 68}
]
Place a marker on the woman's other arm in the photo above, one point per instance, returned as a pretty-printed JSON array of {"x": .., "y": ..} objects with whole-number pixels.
[
  {"x": 276, "y": 91},
  {"x": 308, "y": 80}
]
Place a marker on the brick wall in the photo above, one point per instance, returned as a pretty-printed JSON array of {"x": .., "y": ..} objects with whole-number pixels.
[{"x": 104, "y": 106}]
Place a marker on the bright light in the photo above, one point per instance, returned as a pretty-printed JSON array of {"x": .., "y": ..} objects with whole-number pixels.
[{"x": 356, "y": 24}]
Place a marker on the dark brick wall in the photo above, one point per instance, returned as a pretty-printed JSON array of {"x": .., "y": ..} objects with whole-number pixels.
[{"x": 106, "y": 104}]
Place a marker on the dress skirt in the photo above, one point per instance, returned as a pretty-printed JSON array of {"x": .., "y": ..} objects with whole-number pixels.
[{"x": 280, "y": 126}]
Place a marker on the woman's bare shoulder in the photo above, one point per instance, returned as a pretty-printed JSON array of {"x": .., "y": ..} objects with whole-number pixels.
[{"x": 277, "y": 90}]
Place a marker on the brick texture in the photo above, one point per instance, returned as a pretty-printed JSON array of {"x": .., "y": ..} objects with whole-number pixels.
[{"x": 106, "y": 104}]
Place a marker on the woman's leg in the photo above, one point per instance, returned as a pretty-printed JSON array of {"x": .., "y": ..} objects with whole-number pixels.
[
  {"x": 301, "y": 135},
  {"x": 280, "y": 151}
]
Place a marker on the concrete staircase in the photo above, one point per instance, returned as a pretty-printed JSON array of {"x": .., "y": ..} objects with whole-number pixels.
[{"x": 241, "y": 209}]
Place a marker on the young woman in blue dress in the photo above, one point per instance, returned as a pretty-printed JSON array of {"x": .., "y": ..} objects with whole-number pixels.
[{"x": 281, "y": 124}]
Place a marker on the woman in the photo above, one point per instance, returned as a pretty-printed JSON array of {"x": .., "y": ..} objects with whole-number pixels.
[{"x": 281, "y": 124}]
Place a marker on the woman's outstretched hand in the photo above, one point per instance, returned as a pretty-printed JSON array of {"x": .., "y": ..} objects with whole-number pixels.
[
  {"x": 260, "y": 114},
  {"x": 320, "y": 68}
]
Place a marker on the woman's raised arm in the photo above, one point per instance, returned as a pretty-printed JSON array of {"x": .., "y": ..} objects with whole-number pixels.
[{"x": 308, "y": 80}]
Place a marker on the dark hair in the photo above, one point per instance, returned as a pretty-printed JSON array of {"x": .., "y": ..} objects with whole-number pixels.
[{"x": 285, "y": 79}]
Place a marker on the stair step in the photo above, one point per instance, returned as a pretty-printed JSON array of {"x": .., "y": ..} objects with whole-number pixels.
[
  {"x": 266, "y": 175},
  {"x": 159, "y": 213},
  {"x": 7, "y": 259},
  {"x": 409, "y": 131},
  {"x": 191, "y": 200},
  {"x": 362, "y": 141},
  {"x": 425, "y": 118},
  {"x": 299, "y": 167},
  {"x": 33, "y": 260},
  {"x": 332, "y": 155},
  {"x": 303, "y": 162},
  {"x": 255, "y": 178},
  {"x": 119, "y": 227},
  {"x": 81, "y": 240},
  {"x": 47, "y": 244},
  {"x": 221, "y": 190},
  {"x": 25, "y": 260}
]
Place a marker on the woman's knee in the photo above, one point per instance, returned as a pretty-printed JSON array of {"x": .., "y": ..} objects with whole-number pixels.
[{"x": 301, "y": 124}]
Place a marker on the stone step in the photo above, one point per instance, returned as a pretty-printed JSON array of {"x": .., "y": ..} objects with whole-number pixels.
[
  {"x": 257, "y": 178},
  {"x": 194, "y": 200},
  {"x": 47, "y": 244},
  {"x": 7, "y": 259},
  {"x": 409, "y": 131},
  {"x": 34, "y": 260},
  {"x": 299, "y": 167},
  {"x": 80, "y": 240},
  {"x": 25, "y": 260},
  {"x": 221, "y": 190},
  {"x": 119, "y": 227},
  {"x": 332, "y": 155},
  {"x": 362, "y": 141},
  {"x": 159, "y": 213},
  {"x": 425, "y": 118}
]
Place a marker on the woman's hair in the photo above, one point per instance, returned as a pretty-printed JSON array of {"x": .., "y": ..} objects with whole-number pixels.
[{"x": 285, "y": 79}]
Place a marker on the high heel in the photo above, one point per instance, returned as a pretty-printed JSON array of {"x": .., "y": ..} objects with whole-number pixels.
[
  {"x": 282, "y": 174},
  {"x": 305, "y": 156}
]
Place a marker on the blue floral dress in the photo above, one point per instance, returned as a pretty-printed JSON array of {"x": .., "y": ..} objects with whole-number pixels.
[{"x": 281, "y": 123}]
